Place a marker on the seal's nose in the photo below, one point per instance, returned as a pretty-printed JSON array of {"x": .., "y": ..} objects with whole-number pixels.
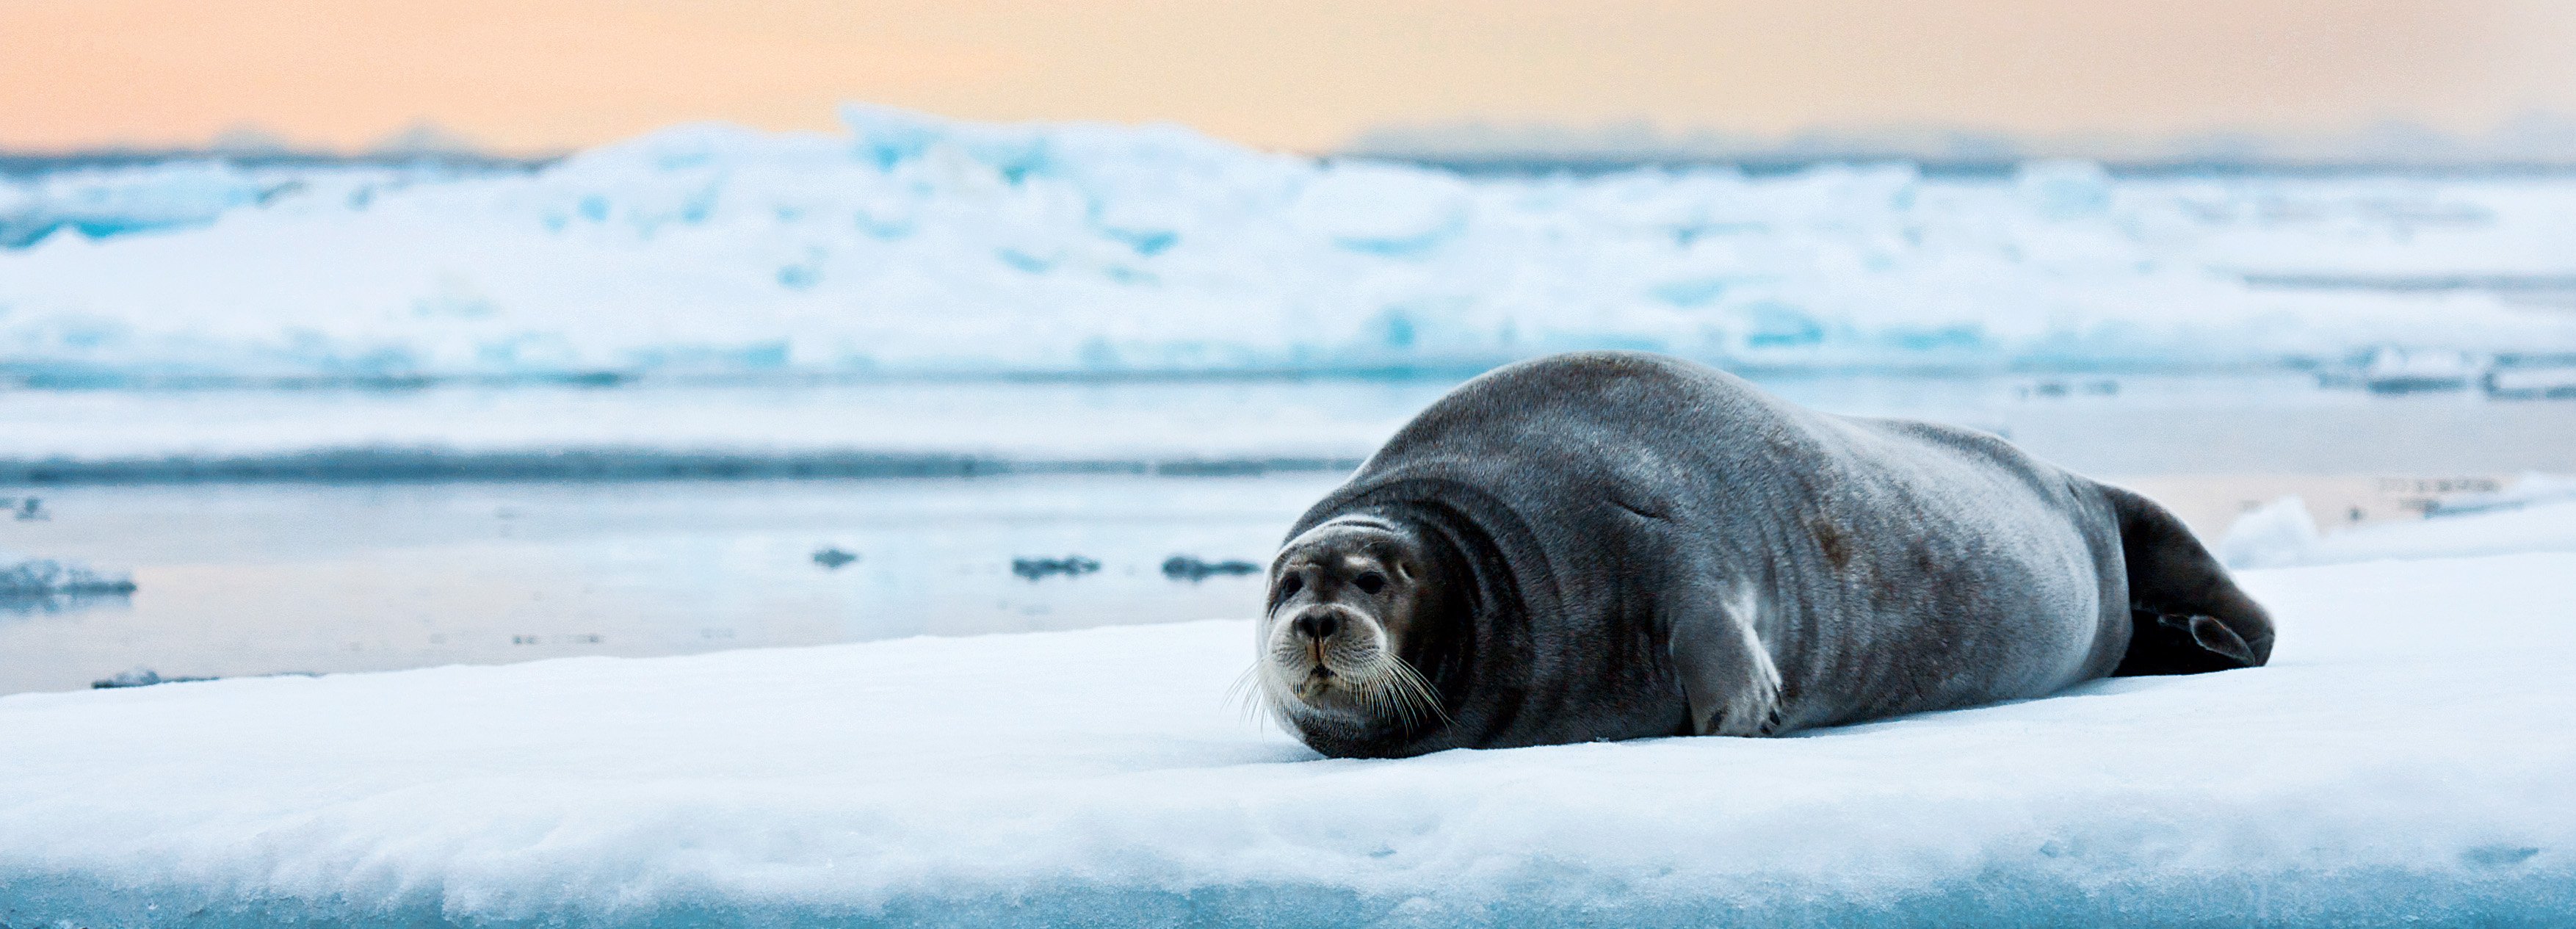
[{"x": 1318, "y": 625}]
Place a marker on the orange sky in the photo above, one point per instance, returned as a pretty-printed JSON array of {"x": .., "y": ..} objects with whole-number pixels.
[{"x": 549, "y": 74}]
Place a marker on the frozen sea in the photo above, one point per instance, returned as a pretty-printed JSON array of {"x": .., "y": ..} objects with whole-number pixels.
[
  {"x": 2403, "y": 761},
  {"x": 441, "y": 426},
  {"x": 336, "y": 530},
  {"x": 359, "y": 418}
]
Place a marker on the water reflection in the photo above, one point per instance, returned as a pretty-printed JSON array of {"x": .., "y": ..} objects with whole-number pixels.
[
  {"x": 253, "y": 579},
  {"x": 239, "y": 579},
  {"x": 26, "y": 604}
]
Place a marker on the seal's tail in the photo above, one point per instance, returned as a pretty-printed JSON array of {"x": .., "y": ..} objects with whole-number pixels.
[{"x": 2187, "y": 616}]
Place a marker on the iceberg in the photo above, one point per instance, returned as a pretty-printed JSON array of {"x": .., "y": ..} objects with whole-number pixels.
[
  {"x": 24, "y": 576},
  {"x": 913, "y": 245},
  {"x": 105, "y": 203},
  {"x": 2374, "y": 774},
  {"x": 2533, "y": 487},
  {"x": 2531, "y": 382},
  {"x": 46, "y": 585},
  {"x": 2397, "y": 371},
  {"x": 2278, "y": 533},
  {"x": 142, "y": 677}
]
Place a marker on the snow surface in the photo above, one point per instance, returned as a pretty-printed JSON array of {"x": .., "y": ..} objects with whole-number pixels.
[
  {"x": 105, "y": 203},
  {"x": 914, "y": 244},
  {"x": 2536, "y": 514},
  {"x": 2404, "y": 760},
  {"x": 2277, "y": 533}
]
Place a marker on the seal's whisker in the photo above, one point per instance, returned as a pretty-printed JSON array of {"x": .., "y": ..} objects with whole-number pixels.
[
  {"x": 1398, "y": 691},
  {"x": 1247, "y": 694},
  {"x": 1420, "y": 687},
  {"x": 1382, "y": 701},
  {"x": 1411, "y": 696}
]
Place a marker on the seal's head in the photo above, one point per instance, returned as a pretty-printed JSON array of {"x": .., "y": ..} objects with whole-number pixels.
[{"x": 1347, "y": 598}]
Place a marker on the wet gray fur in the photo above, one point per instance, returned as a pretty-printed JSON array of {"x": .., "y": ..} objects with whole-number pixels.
[{"x": 1644, "y": 546}]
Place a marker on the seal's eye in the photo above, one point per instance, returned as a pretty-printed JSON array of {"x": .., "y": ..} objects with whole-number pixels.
[
  {"x": 1370, "y": 582},
  {"x": 1289, "y": 587}
]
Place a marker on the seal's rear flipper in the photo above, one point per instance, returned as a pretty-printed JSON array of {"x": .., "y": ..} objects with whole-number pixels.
[
  {"x": 2186, "y": 615},
  {"x": 2163, "y": 643}
]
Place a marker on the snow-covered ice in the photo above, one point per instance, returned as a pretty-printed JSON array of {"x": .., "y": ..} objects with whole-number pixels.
[
  {"x": 2277, "y": 533},
  {"x": 2392, "y": 370},
  {"x": 2532, "y": 382},
  {"x": 913, "y": 244},
  {"x": 2537, "y": 513},
  {"x": 105, "y": 203},
  {"x": 2529, "y": 489},
  {"x": 2404, "y": 760}
]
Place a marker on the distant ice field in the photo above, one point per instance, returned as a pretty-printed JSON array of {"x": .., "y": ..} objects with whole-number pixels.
[
  {"x": 915, "y": 245},
  {"x": 2401, "y": 762}
]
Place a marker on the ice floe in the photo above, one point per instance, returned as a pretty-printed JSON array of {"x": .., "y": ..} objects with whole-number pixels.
[
  {"x": 2536, "y": 513},
  {"x": 2404, "y": 760}
]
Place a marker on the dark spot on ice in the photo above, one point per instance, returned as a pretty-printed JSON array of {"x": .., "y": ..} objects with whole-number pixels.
[
  {"x": 146, "y": 677},
  {"x": 799, "y": 276},
  {"x": 2498, "y": 856},
  {"x": 832, "y": 558},
  {"x": 1186, "y": 568},
  {"x": 1025, "y": 262},
  {"x": 140, "y": 677},
  {"x": 1146, "y": 242},
  {"x": 1069, "y": 566}
]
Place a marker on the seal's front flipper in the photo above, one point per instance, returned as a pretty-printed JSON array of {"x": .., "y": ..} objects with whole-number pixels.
[
  {"x": 1727, "y": 676},
  {"x": 2186, "y": 616}
]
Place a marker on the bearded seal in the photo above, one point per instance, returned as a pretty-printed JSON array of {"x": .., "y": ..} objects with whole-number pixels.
[{"x": 1616, "y": 545}]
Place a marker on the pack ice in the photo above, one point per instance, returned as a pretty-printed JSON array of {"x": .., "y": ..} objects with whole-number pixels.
[
  {"x": 26, "y": 577},
  {"x": 2536, "y": 513},
  {"x": 913, "y": 244},
  {"x": 2404, "y": 761}
]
